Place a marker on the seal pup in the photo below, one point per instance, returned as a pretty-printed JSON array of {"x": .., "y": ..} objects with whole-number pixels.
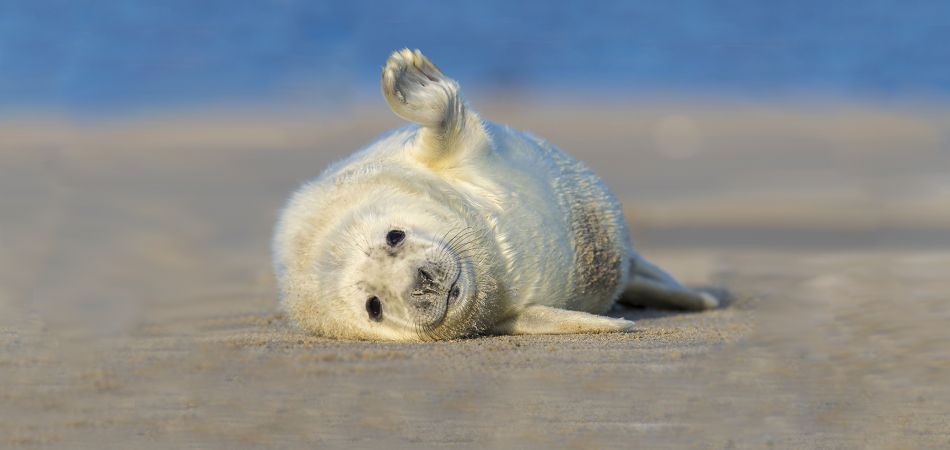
[{"x": 456, "y": 226}]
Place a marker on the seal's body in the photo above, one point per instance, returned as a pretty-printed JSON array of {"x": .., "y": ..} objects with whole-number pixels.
[{"x": 457, "y": 226}]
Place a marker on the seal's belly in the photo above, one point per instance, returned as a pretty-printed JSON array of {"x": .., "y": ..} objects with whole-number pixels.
[
  {"x": 579, "y": 240},
  {"x": 597, "y": 233}
]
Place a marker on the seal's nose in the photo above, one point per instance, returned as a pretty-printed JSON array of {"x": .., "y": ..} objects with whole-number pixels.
[
  {"x": 426, "y": 282},
  {"x": 427, "y": 287}
]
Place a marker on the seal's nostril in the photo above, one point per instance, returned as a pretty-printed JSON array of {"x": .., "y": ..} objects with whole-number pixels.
[
  {"x": 426, "y": 276},
  {"x": 454, "y": 293}
]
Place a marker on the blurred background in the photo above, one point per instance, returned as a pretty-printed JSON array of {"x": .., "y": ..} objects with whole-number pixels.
[
  {"x": 795, "y": 114},
  {"x": 796, "y": 153},
  {"x": 115, "y": 57}
]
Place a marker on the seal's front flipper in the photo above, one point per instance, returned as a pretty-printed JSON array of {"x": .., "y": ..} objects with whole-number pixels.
[
  {"x": 651, "y": 286},
  {"x": 537, "y": 319},
  {"x": 418, "y": 91}
]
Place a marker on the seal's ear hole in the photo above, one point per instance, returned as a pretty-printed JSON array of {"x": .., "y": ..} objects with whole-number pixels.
[
  {"x": 374, "y": 308},
  {"x": 394, "y": 237}
]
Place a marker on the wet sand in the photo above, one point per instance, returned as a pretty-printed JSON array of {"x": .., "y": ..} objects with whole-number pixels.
[{"x": 137, "y": 308}]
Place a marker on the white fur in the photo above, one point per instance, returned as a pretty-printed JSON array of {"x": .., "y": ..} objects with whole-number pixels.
[{"x": 534, "y": 240}]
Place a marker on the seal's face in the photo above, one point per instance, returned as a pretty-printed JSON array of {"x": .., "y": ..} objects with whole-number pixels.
[{"x": 405, "y": 283}]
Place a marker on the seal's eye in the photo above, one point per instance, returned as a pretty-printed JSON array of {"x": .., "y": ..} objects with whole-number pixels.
[
  {"x": 374, "y": 308},
  {"x": 394, "y": 237}
]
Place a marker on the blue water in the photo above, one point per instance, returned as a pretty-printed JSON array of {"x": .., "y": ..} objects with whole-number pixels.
[{"x": 83, "y": 55}]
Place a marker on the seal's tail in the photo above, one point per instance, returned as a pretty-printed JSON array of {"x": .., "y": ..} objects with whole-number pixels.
[
  {"x": 418, "y": 91},
  {"x": 651, "y": 286}
]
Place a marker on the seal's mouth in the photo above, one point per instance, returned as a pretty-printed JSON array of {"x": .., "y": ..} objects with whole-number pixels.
[
  {"x": 454, "y": 291},
  {"x": 452, "y": 295}
]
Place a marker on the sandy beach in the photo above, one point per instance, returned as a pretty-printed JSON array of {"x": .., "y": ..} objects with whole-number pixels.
[{"x": 138, "y": 309}]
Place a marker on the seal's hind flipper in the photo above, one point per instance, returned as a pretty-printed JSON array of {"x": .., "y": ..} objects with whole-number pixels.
[
  {"x": 651, "y": 286},
  {"x": 418, "y": 91}
]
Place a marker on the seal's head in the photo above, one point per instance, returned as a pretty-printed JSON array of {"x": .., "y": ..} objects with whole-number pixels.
[
  {"x": 388, "y": 271},
  {"x": 383, "y": 245}
]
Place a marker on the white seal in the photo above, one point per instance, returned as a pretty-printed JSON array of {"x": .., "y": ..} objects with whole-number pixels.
[{"x": 456, "y": 226}]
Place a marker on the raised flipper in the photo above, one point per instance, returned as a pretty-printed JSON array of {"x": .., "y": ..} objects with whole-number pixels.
[
  {"x": 651, "y": 286},
  {"x": 538, "y": 319},
  {"x": 418, "y": 91}
]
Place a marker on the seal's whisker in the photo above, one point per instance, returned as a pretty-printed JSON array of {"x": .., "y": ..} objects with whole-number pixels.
[
  {"x": 441, "y": 245},
  {"x": 456, "y": 236},
  {"x": 462, "y": 234},
  {"x": 461, "y": 239},
  {"x": 472, "y": 246},
  {"x": 353, "y": 237},
  {"x": 471, "y": 239}
]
